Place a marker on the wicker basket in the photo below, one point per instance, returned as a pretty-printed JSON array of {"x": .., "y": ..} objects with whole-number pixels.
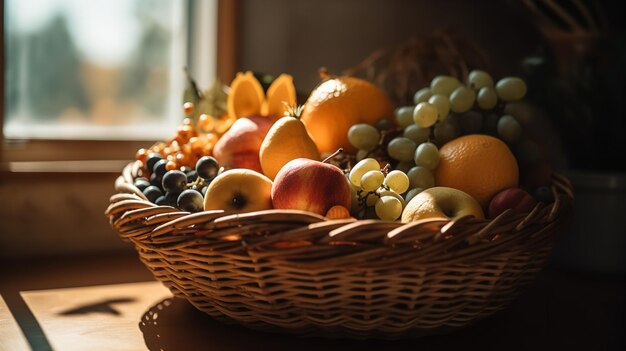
[{"x": 296, "y": 272}]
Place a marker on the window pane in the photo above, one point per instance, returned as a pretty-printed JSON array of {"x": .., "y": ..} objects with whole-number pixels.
[{"x": 93, "y": 69}]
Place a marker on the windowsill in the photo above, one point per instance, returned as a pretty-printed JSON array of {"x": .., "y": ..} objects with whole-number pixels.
[
  {"x": 60, "y": 132},
  {"x": 35, "y": 150},
  {"x": 91, "y": 166}
]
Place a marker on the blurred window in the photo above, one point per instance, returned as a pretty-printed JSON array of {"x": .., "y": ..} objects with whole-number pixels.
[{"x": 97, "y": 69}]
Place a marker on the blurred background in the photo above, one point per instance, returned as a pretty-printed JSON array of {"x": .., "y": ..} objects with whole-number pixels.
[{"x": 87, "y": 83}]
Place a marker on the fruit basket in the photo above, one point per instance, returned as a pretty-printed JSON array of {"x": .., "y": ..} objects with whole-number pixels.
[
  {"x": 296, "y": 272},
  {"x": 277, "y": 257}
]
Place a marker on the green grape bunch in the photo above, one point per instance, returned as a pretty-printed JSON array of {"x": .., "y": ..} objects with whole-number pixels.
[{"x": 446, "y": 109}]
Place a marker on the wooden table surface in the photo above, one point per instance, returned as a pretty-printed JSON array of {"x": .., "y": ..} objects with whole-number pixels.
[
  {"x": 112, "y": 303},
  {"x": 11, "y": 337}
]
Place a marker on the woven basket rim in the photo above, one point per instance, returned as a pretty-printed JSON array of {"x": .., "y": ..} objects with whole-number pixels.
[{"x": 304, "y": 239}]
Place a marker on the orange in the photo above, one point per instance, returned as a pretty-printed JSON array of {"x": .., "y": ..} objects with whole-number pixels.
[
  {"x": 338, "y": 212},
  {"x": 337, "y": 104},
  {"x": 280, "y": 95},
  {"x": 246, "y": 97},
  {"x": 479, "y": 165}
]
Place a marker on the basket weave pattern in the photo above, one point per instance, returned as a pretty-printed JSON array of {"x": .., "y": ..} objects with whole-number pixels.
[{"x": 297, "y": 272}]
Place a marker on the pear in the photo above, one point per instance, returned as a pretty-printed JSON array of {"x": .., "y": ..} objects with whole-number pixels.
[{"x": 287, "y": 140}]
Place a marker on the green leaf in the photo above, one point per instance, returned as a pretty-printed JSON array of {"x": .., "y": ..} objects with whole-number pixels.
[
  {"x": 192, "y": 93},
  {"x": 215, "y": 98}
]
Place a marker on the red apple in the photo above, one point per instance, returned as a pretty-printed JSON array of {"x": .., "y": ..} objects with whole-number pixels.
[
  {"x": 239, "y": 146},
  {"x": 516, "y": 199},
  {"x": 309, "y": 185}
]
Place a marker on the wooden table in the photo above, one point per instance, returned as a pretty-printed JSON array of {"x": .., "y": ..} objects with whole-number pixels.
[
  {"x": 112, "y": 303},
  {"x": 105, "y": 315}
]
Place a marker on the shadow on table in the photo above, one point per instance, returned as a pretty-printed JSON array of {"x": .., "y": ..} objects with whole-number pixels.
[
  {"x": 104, "y": 307},
  {"x": 174, "y": 324}
]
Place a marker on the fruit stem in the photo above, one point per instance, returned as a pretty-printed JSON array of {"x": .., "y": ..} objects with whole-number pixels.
[
  {"x": 294, "y": 111},
  {"x": 340, "y": 150},
  {"x": 324, "y": 75},
  {"x": 381, "y": 140},
  {"x": 385, "y": 169},
  {"x": 197, "y": 182}
]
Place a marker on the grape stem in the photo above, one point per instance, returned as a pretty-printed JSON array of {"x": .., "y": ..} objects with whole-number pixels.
[
  {"x": 362, "y": 202},
  {"x": 198, "y": 181},
  {"x": 381, "y": 141},
  {"x": 385, "y": 169},
  {"x": 363, "y": 199}
]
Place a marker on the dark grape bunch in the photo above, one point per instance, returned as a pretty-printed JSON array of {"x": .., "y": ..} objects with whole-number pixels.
[
  {"x": 182, "y": 150},
  {"x": 177, "y": 172},
  {"x": 183, "y": 188}
]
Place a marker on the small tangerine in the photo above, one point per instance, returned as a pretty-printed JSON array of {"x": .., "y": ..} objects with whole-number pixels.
[
  {"x": 188, "y": 108},
  {"x": 171, "y": 165}
]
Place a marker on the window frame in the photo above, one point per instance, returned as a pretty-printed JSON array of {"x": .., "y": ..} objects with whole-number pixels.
[{"x": 14, "y": 151}]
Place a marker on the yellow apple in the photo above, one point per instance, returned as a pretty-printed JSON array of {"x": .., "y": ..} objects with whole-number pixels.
[
  {"x": 441, "y": 202},
  {"x": 239, "y": 190}
]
